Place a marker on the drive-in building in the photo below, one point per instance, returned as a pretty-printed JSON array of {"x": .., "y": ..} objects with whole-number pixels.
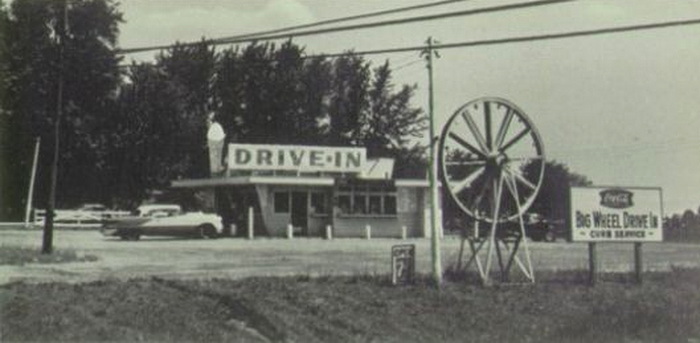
[{"x": 313, "y": 188}]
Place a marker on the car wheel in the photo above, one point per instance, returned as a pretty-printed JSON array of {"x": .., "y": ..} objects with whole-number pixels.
[
  {"x": 131, "y": 235},
  {"x": 207, "y": 231}
]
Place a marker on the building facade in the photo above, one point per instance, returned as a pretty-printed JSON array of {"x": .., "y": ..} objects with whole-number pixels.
[{"x": 314, "y": 191}]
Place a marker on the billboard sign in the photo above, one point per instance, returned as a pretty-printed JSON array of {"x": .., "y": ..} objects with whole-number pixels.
[
  {"x": 296, "y": 158},
  {"x": 616, "y": 214}
]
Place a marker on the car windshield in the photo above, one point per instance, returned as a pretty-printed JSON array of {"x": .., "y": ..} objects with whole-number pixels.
[
  {"x": 162, "y": 213},
  {"x": 157, "y": 210}
]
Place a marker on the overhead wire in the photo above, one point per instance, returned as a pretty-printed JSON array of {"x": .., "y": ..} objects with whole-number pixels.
[
  {"x": 343, "y": 19},
  {"x": 531, "y": 38},
  {"x": 406, "y": 65},
  {"x": 469, "y": 12},
  {"x": 521, "y": 39}
]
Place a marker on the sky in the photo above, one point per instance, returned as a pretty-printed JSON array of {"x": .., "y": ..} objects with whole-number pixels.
[{"x": 622, "y": 109}]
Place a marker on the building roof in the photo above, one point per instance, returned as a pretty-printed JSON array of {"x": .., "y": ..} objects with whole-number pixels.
[{"x": 278, "y": 180}]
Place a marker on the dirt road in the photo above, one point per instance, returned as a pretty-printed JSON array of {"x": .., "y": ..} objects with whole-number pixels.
[{"x": 240, "y": 258}]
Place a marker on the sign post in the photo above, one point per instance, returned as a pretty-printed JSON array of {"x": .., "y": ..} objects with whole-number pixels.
[
  {"x": 403, "y": 264},
  {"x": 592, "y": 263},
  {"x": 616, "y": 214},
  {"x": 638, "y": 262}
]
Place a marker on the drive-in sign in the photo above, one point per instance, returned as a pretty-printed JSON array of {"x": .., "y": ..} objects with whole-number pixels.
[
  {"x": 631, "y": 214},
  {"x": 296, "y": 157}
]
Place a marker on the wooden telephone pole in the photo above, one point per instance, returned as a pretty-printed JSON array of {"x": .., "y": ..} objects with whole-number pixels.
[
  {"x": 435, "y": 225},
  {"x": 47, "y": 242}
]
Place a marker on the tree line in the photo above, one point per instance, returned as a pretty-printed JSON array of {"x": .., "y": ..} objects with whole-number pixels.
[{"x": 682, "y": 226}]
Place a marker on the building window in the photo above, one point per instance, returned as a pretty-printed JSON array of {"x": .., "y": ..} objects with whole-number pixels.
[
  {"x": 281, "y": 202},
  {"x": 375, "y": 204},
  {"x": 318, "y": 203},
  {"x": 389, "y": 204},
  {"x": 364, "y": 200},
  {"x": 359, "y": 205},
  {"x": 344, "y": 204}
]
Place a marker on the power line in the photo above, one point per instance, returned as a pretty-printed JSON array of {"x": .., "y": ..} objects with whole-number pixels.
[
  {"x": 354, "y": 27},
  {"x": 342, "y": 19},
  {"x": 551, "y": 36},
  {"x": 406, "y": 65}
]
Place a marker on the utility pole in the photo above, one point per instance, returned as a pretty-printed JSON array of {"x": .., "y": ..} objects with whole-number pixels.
[
  {"x": 47, "y": 243},
  {"x": 434, "y": 196}
]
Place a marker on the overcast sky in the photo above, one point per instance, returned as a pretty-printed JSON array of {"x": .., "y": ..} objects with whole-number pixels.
[{"x": 622, "y": 109}]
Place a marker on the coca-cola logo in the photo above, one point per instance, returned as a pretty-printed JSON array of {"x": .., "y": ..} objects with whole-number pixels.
[{"x": 616, "y": 198}]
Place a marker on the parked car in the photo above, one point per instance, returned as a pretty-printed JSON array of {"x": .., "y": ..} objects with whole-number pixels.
[
  {"x": 75, "y": 217},
  {"x": 157, "y": 210},
  {"x": 164, "y": 220},
  {"x": 92, "y": 208}
]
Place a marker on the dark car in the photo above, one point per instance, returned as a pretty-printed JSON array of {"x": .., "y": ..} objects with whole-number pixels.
[{"x": 537, "y": 229}]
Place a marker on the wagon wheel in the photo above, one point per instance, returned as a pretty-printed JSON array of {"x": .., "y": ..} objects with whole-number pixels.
[{"x": 491, "y": 159}]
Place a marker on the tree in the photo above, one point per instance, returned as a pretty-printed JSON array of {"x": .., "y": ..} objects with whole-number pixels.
[
  {"x": 159, "y": 130},
  {"x": 391, "y": 125},
  {"x": 315, "y": 100},
  {"x": 391, "y": 122},
  {"x": 348, "y": 100},
  {"x": 688, "y": 219},
  {"x": 552, "y": 201},
  {"x": 267, "y": 94},
  {"x": 90, "y": 79},
  {"x": 145, "y": 139},
  {"x": 6, "y": 196},
  {"x": 190, "y": 69}
]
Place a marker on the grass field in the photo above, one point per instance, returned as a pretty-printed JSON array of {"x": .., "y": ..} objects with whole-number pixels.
[
  {"x": 559, "y": 308},
  {"x": 19, "y": 256}
]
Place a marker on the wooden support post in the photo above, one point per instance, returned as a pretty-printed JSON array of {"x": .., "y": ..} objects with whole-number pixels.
[
  {"x": 461, "y": 254},
  {"x": 30, "y": 193},
  {"x": 250, "y": 222},
  {"x": 290, "y": 231},
  {"x": 504, "y": 277},
  {"x": 638, "y": 265},
  {"x": 592, "y": 264},
  {"x": 368, "y": 232}
]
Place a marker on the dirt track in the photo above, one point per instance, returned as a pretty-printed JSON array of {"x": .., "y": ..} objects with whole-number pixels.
[{"x": 239, "y": 258}]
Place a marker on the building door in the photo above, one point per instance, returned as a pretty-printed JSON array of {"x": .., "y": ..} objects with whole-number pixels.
[{"x": 300, "y": 212}]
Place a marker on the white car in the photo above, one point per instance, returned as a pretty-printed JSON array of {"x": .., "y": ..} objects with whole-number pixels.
[{"x": 164, "y": 220}]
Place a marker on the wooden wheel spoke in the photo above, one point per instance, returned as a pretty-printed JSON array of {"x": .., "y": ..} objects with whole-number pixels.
[
  {"x": 503, "y": 129},
  {"x": 461, "y": 185},
  {"x": 522, "y": 159},
  {"x": 515, "y": 139},
  {"x": 480, "y": 196},
  {"x": 512, "y": 188},
  {"x": 475, "y": 131},
  {"x": 521, "y": 178},
  {"x": 466, "y": 163},
  {"x": 487, "y": 125},
  {"x": 468, "y": 146}
]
